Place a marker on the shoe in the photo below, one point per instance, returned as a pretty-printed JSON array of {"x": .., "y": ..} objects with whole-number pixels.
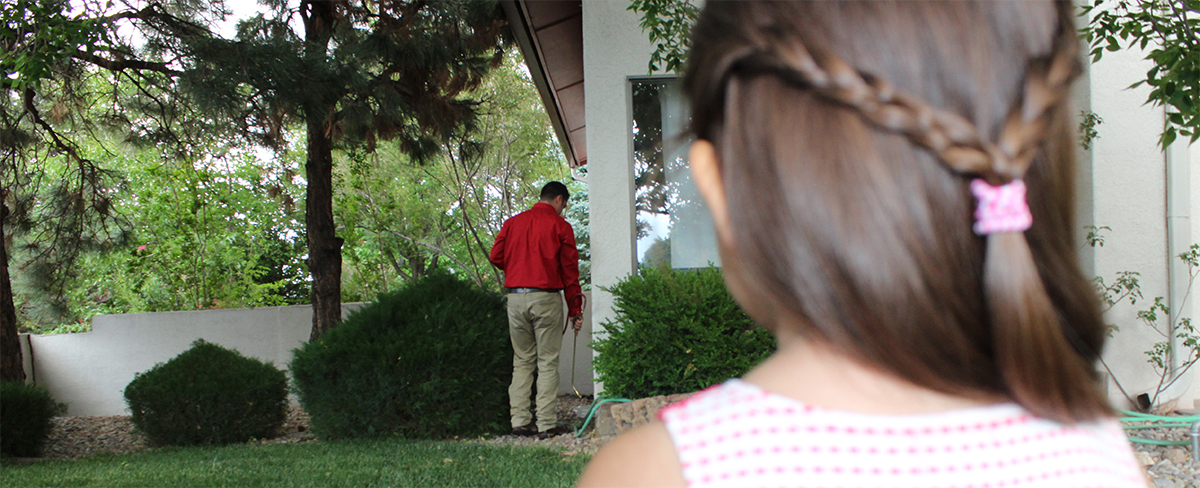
[
  {"x": 556, "y": 431},
  {"x": 525, "y": 430}
]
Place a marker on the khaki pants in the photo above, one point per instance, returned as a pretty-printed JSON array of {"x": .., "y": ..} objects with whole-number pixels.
[{"x": 535, "y": 325}]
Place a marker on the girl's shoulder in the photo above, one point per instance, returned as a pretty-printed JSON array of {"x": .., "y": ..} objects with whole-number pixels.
[
  {"x": 644, "y": 456},
  {"x": 739, "y": 432}
]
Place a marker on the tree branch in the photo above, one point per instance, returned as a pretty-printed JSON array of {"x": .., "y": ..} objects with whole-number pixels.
[
  {"x": 119, "y": 66},
  {"x": 429, "y": 246}
]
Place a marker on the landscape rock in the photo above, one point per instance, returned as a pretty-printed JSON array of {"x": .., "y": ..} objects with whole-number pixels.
[
  {"x": 1177, "y": 456},
  {"x": 640, "y": 412},
  {"x": 1163, "y": 483}
]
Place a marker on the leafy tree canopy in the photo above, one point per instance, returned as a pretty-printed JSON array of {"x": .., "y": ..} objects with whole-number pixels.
[
  {"x": 668, "y": 23},
  {"x": 1171, "y": 29}
]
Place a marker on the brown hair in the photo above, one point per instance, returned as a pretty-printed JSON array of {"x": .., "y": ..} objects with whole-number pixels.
[{"x": 848, "y": 133}]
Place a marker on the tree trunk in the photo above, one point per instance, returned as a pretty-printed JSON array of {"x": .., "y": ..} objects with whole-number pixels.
[
  {"x": 11, "y": 367},
  {"x": 324, "y": 247}
]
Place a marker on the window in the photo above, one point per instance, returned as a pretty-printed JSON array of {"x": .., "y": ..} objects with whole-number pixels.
[{"x": 673, "y": 225}]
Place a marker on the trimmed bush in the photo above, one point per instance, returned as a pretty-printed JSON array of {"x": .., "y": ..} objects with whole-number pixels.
[
  {"x": 430, "y": 361},
  {"x": 208, "y": 395},
  {"x": 676, "y": 331},
  {"x": 25, "y": 413}
]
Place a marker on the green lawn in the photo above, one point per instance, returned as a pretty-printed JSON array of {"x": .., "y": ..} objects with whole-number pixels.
[{"x": 386, "y": 462}]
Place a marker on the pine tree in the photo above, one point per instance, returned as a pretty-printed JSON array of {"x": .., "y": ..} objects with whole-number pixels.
[{"x": 362, "y": 73}]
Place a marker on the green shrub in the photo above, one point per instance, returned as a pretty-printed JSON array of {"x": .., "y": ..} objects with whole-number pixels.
[
  {"x": 25, "y": 413},
  {"x": 676, "y": 331},
  {"x": 208, "y": 395},
  {"x": 431, "y": 360}
]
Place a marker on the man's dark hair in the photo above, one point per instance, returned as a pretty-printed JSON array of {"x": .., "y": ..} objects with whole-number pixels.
[{"x": 554, "y": 189}]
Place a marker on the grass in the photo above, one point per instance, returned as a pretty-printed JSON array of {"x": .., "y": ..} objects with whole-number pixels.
[{"x": 377, "y": 462}]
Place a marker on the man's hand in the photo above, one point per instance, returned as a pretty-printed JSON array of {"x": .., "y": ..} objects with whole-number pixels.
[{"x": 577, "y": 322}]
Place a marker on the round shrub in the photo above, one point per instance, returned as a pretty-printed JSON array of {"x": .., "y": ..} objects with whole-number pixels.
[
  {"x": 208, "y": 395},
  {"x": 675, "y": 331},
  {"x": 429, "y": 361},
  {"x": 25, "y": 413}
]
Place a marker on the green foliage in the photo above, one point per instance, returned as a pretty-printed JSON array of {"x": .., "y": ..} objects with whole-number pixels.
[
  {"x": 38, "y": 34},
  {"x": 1095, "y": 235},
  {"x": 402, "y": 221},
  {"x": 1124, "y": 285},
  {"x": 1088, "y": 121},
  {"x": 669, "y": 25},
  {"x": 73, "y": 90},
  {"x": 1173, "y": 328},
  {"x": 25, "y": 413},
  {"x": 1171, "y": 28},
  {"x": 391, "y": 71},
  {"x": 219, "y": 233},
  {"x": 208, "y": 395},
  {"x": 1169, "y": 363},
  {"x": 359, "y": 75},
  {"x": 676, "y": 332},
  {"x": 350, "y": 463},
  {"x": 430, "y": 360},
  {"x": 578, "y": 214}
]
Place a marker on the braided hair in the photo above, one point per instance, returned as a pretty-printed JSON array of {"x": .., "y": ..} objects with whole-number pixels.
[{"x": 848, "y": 134}]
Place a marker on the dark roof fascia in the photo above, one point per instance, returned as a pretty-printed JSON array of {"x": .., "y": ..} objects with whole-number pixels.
[{"x": 518, "y": 20}]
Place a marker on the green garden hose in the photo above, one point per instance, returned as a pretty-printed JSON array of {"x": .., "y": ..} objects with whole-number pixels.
[
  {"x": 595, "y": 407},
  {"x": 1164, "y": 422}
]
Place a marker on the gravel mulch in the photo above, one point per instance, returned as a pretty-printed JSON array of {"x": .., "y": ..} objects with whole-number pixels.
[
  {"x": 1168, "y": 466},
  {"x": 568, "y": 408},
  {"x": 86, "y": 436},
  {"x": 73, "y": 437}
]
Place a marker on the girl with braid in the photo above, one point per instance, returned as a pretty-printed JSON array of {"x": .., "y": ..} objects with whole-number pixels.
[{"x": 892, "y": 188}]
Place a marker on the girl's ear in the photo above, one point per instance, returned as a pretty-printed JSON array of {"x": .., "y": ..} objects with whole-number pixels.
[{"x": 706, "y": 173}]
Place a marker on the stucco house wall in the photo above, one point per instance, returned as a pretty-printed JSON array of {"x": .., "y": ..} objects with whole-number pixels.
[
  {"x": 614, "y": 48},
  {"x": 1130, "y": 192}
]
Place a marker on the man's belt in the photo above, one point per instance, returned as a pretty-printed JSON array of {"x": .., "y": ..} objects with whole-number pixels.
[{"x": 534, "y": 290}]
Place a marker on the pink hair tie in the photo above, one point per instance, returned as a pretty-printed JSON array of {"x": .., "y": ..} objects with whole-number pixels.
[{"x": 1001, "y": 208}]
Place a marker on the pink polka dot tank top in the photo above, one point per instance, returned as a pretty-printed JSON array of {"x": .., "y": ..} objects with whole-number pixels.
[{"x": 738, "y": 435}]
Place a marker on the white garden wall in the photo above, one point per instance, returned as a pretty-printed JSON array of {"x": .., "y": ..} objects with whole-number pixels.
[{"x": 89, "y": 371}]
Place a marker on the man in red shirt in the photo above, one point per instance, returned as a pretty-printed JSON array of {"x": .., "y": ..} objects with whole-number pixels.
[{"x": 536, "y": 250}]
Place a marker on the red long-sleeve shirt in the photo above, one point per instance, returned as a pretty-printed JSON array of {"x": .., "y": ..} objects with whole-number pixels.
[{"x": 536, "y": 249}]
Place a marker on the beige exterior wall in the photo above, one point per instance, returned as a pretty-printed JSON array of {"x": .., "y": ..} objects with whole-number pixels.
[
  {"x": 1194, "y": 193},
  {"x": 1130, "y": 194},
  {"x": 614, "y": 48}
]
